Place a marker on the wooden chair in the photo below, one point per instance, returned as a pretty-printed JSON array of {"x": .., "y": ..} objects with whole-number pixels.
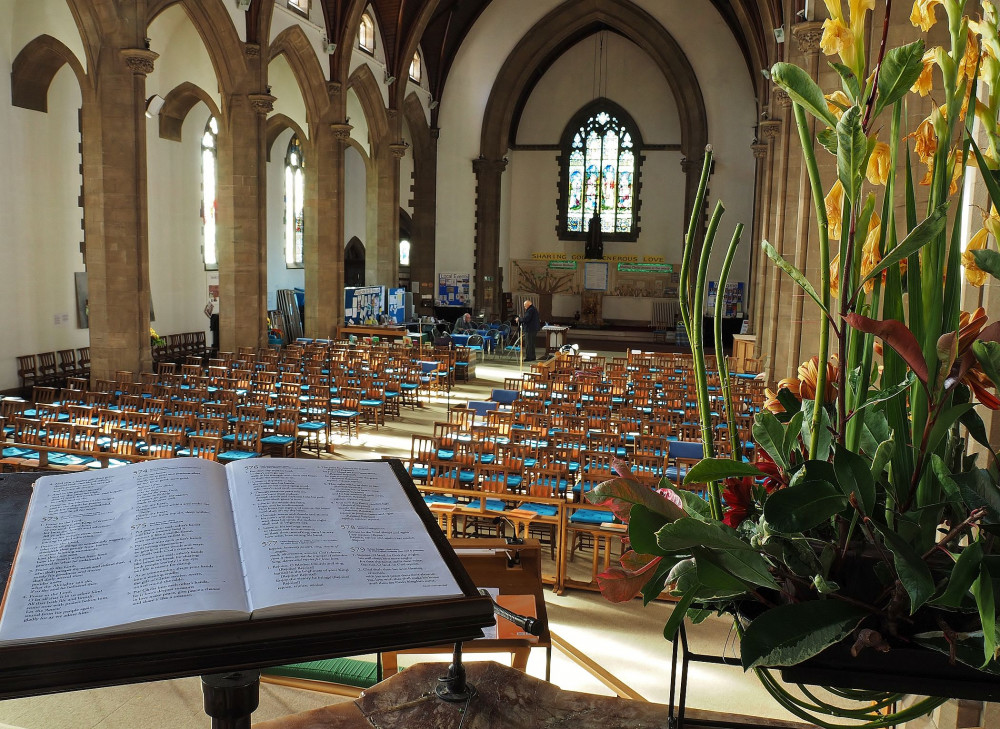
[
  {"x": 163, "y": 444},
  {"x": 282, "y": 437},
  {"x": 246, "y": 442},
  {"x": 347, "y": 415},
  {"x": 67, "y": 363},
  {"x": 204, "y": 446},
  {"x": 44, "y": 395}
]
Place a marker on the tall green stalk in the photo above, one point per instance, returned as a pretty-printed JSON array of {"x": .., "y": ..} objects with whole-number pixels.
[
  {"x": 724, "y": 383},
  {"x": 809, "y": 153}
]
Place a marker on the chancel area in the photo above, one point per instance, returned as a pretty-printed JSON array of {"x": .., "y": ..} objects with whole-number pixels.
[{"x": 461, "y": 234}]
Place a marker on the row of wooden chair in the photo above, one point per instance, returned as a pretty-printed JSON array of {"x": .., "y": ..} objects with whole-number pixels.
[{"x": 44, "y": 369}]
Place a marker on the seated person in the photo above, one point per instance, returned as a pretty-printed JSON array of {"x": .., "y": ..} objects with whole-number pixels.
[{"x": 464, "y": 325}]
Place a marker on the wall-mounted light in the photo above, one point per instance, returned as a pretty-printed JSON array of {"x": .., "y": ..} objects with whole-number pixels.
[
  {"x": 242, "y": 4},
  {"x": 389, "y": 80},
  {"x": 433, "y": 105},
  {"x": 153, "y": 105}
]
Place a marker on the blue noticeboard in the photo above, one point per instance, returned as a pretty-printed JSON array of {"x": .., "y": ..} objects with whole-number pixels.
[
  {"x": 397, "y": 305},
  {"x": 364, "y": 304}
]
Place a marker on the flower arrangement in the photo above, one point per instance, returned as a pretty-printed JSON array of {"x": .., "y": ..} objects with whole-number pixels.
[
  {"x": 864, "y": 517},
  {"x": 155, "y": 340}
]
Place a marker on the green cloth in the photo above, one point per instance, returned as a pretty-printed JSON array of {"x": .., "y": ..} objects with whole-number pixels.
[{"x": 347, "y": 671}]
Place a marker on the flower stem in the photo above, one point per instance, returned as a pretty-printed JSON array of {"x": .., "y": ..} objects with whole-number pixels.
[{"x": 727, "y": 392}]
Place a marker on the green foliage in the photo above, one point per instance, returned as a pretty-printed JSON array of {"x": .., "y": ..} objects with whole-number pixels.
[{"x": 789, "y": 634}]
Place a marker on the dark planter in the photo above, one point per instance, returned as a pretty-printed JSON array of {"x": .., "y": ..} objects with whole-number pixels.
[{"x": 919, "y": 671}]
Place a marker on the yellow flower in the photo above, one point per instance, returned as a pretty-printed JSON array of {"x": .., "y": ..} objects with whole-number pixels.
[
  {"x": 836, "y": 103},
  {"x": 835, "y": 276},
  {"x": 870, "y": 256},
  {"x": 837, "y": 39},
  {"x": 925, "y": 144},
  {"x": 973, "y": 273},
  {"x": 924, "y": 83},
  {"x": 956, "y": 172},
  {"x": 834, "y": 8},
  {"x": 878, "y": 164},
  {"x": 834, "y": 209},
  {"x": 922, "y": 14},
  {"x": 858, "y": 9},
  {"x": 967, "y": 66},
  {"x": 809, "y": 378}
]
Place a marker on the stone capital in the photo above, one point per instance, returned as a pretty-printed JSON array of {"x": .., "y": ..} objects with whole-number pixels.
[
  {"x": 262, "y": 103},
  {"x": 252, "y": 50},
  {"x": 807, "y": 36},
  {"x": 486, "y": 166},
  {"x": 692, "y": 164},
  {"x": 781, "y": 99},
  {"x": 334, "y": 88},
  {"x": 341, "y": 131},
  {"x": 759, "y": 150},
  {"x": 769, "y": 128},
  {"x": 139, "y": 60},
  {"x": 398, "y": 149}
]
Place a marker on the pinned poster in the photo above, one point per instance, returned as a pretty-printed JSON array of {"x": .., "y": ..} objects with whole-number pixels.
[
  {"x": 364, "y": 304},
  {"x": 454, "y": 289}
]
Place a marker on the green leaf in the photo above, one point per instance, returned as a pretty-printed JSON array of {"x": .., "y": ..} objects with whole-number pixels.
[
  {"x": 828, "y": 138},
  {"x": 912, "y": 570},
  {"x": 883, "y": 454},
  {"x": 716, "y": 469},
  {"x": 927, "y": 230},
  {"x": 677, "y": 615},
  {"x": 652, "y": 589},
  {"x": 988, "y": 354},
  {"x": 851, "y": 87},
  {"x": 944, "y": 422},
  {"x": 854, "y": 476},
  {"x": 789, "y": 634},
  {"x": 979, "y": 491},
  {"x": 769, "y": 434},
  {"x": 873, "y": 398},
  {"x": 746, "y": 566},
  {"x": 792, "y": 432},
  {"x": 798, "y": 508},
  {"x": 620, "y": 493},
  {"x": 989, "y": 261},
  {"x": 852, "y": 152},
  {"x": 803, "y": 91},
  {"x": 796, "y": 275},
  {"x": 823, "y": 587},
  {"x": 901, "y": 68},
  {"x": 642, "y": 527},
  {"x": 982, "y": 590},
  {"x": 686, "y": 533},
  {"x": 976, "y": 427},
  {"x": 694, "y": 505},
  {"x": 963, "y": 574},
  {"x": 825, "y": 432},
  {"x": 986, "y": 173}
]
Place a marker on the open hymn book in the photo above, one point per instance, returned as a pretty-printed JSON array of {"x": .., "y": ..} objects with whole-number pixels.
[{"x": 179, "y": 542}]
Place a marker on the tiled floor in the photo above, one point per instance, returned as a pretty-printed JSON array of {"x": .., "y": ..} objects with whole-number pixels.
[{"x": 625, "y": 640}]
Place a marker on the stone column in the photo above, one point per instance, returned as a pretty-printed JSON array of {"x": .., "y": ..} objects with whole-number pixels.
[
  {"x": 324, "y": 243},
  {"x": 767, "y": 131},
  {"x": 423, "y": 243},
  {"x": 781, "y": 107},
  {"x": 115, "y": 210},
  {"x": 487, "y": 266},
  {"x": 387, "y": 204},
  {"x": 761, "y": 203},
  {"x": 242, "y": 220}
]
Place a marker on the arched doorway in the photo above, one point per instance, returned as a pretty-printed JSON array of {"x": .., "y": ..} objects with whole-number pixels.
[{"x": 354, "y": 263}]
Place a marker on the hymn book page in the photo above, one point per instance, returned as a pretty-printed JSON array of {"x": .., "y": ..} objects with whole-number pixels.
[
  {"x": 320, "y": 535},
  {"x": 117, "y": 549}
]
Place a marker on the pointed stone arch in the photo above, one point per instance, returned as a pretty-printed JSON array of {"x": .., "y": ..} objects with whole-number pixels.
[
  {"x": 34, "y": 68},
  {"x": 298, "y": 51},
  {"x": 276, "y": 124},
  {"x": 215, "y": 26},
  {"x": 176, "y": 106},
  {"x": 370, "y": 95}
]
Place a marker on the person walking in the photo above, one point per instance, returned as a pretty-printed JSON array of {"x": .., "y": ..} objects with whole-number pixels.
[{"x": 530, "y": 324}]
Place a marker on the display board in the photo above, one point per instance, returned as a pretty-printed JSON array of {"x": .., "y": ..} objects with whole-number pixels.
[
  {"x": 653, "y": 280},
  {"x": 732, "y": 299},
  {"x": 454, "y": 289},
  {"x": 595, "y": 276},
  {"x": 364, "y": 304}
]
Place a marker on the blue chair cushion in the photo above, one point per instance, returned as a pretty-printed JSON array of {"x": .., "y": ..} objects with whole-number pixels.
[
  {"x": 312, "y": 425},
  {"x": 491, "y": 504},
  {"x": 541, "y": 509},
  {"x": 237, "y": 455},
  {"x": 439, "y": 499},
  {"x": 277, "y": 439},
  {"x": 13, "y": 452},
  {"x": 591, "y": 516}
]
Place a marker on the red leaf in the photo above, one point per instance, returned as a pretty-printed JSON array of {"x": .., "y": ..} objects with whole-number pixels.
[
  {"x": 897, "y": 336},
  {"x": 621, "y": 585},
  {"x": 620, "y": 493},
  {"x": 635, "y": 562}
]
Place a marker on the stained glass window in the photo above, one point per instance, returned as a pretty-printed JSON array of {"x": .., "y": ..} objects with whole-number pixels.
[
  {"x": 295, "y": 189},
  {"x": 366, "y": 34},
  {"x": 600, "y": 165},
  {"x": 209, "y": 203}
]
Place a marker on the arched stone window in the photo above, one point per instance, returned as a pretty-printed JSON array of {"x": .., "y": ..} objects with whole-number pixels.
[
  {"x": 416, "y": 68},
  {"x": 599, "y": 173},
  {"x": 366, "y": 34},
  {"x": 295, "y": 188},
  {"x": 404, "y": 253},
  {"x": 300, "y": 6},
  {"x": 209, "y": 198}
]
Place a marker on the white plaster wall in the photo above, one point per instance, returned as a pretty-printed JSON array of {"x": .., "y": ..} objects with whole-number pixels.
[
  {"x": 176, "y": 266},
  {"x": 286, "y": 89},
  {"x": 41, "y": 224},
  {"x": 356, "y": 113},
  {"x": 279, "y": 275},
  {"x": 375, "y": 61},
  {"x": 729, "y": 102},
  {"x": 183, "y": 56},
  {"x": 355, "y": 195},
  {"x": 239, "y": 17},
  {"x": 27, "y": 19}
]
